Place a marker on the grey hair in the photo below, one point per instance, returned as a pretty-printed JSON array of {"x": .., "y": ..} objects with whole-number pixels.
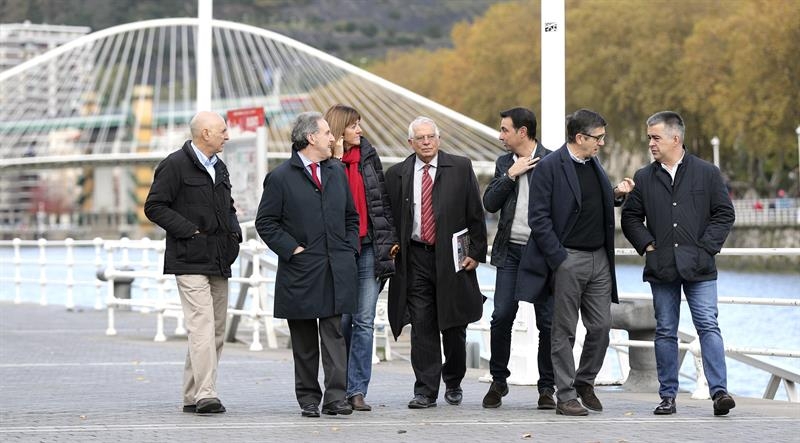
[
  {"x": 419, "y": 121},
  {"x": 673, "y": 122},
  {"x": 305, "y": 124}
]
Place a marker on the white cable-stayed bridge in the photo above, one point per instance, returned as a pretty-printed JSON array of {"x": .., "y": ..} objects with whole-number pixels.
[{"x": 82, "y": 125}]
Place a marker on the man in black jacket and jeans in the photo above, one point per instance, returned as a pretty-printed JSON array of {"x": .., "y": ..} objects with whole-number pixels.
[
  {"x": 508, "y": 193},
  {"x": 191, "y": 200},
  {"x": 679, "y": 215}
]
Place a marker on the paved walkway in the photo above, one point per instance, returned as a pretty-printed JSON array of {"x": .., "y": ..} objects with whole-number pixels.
[{"x": 63, "y": 379}]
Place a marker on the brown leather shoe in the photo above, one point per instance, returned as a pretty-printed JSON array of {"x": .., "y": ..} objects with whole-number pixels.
[
  {"x": 494, "y": 398},
  {"x": 572, "y": 408},
  {"x": 588, "y": 398},
  {"x": 358, "y": 404},
  {"x": 546, "y": 400}
]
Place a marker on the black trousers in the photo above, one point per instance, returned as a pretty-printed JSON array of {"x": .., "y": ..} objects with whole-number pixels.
[
  {"x": 308, "y": 337},
  {"x": 426, "y": 346}
]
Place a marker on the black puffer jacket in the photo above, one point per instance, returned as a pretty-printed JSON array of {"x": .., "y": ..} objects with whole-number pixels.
[
  {"x": 381, "y": 225},
  {"x": 183, "y": 200}
]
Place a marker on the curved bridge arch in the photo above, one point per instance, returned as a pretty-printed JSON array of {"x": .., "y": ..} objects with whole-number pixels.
[{"x": 123, "y": 96}]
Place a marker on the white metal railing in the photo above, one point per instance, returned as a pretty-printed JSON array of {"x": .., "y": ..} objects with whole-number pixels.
[{"x": 112, "y": 262}]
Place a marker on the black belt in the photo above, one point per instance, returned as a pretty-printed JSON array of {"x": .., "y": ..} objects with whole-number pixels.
[{"x": 424, "y": 246}]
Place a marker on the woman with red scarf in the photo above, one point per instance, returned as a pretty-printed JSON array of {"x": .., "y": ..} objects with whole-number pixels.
[{"x": 378, "y": 244}]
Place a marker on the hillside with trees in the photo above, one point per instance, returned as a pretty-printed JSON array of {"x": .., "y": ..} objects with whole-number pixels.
[
  {"x": 730, "y": 67},
  {"x": 358, "y": 31}
]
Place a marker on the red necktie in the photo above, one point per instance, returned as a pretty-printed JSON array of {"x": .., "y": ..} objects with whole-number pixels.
[
  {"x": 314, "y": 175},
  {"x": 428, "y": 230}
]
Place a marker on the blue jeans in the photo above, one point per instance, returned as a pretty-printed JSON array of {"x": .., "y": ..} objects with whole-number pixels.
[
  {"x": 358, "y": 328},
  {"x": 505, "y": 311},
  {"x": 702, "y": 300}
]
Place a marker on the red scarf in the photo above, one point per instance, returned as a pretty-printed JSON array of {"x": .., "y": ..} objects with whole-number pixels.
[{"x": 351, "y": 159}]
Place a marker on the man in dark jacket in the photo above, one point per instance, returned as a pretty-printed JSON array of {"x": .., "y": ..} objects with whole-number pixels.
[
  {"x": 306, "y": 216},
  {"x": 508, "y": 192},
  {"x": 572, "y": 249},
  {"x": 434, "y": 195},
  {"x": 191, "y": 200},
  {"x": 679, "y": 216}
]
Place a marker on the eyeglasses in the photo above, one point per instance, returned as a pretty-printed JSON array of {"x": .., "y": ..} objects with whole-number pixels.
[
  {"x": 599, "y": 138},
  {"x": 422, "y": 138}
]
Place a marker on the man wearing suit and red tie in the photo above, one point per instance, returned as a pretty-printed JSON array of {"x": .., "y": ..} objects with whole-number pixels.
[{"x": 434, "y": 195}]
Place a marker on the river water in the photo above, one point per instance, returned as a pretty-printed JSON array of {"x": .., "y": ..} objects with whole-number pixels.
[{"x": 742, "y": 325}]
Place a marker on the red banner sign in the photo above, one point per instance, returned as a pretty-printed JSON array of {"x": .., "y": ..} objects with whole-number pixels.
[{"x": 246, "y": 119}]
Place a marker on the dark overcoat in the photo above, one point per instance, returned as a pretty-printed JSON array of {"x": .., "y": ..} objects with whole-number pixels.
[
  {"x": 687, "y": 221},
  {"x": 184, "y": 200},
  {"x": 456, "y": 205},
  {"x": 552, "y": 214},
  {"x": 294, "y": 212}
]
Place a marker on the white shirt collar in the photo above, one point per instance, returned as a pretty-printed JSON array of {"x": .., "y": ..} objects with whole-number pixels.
[
  {"x": 419, "y": 164},
  {"x": 576, "y": 159}
]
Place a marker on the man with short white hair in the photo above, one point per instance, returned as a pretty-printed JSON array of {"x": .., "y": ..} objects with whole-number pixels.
[
  {"x": 434, "y": 195},
  {"x": 191, "y": 200}
]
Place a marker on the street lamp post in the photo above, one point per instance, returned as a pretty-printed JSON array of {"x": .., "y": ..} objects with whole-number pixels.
[{"x": 715, "y": 145}]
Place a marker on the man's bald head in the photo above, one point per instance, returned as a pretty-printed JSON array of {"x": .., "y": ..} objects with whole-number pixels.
[{"x": 209, "y": 132}]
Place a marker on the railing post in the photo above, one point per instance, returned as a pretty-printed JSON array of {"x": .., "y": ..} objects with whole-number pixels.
[
  {"x": 701, "y": 385},
  {"x": 109, "y": 273},
  {"x": 98, "y": 264},
  {"x": 145, "y": 264},
  {"x": 17, "y": 272},
  {"x": 255, "y": 291},
  {"x": 70, "y": 262},
  {"x": 42, "y": 272}
]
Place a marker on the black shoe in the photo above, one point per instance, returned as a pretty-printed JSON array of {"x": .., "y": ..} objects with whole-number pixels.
[
  {"x": 421, "y": 402},
  {"x": 190, "y": 408},
  {"x": 666, "y": 407},
  {"x": 454, "y": 396},
  {"x": 358, "y": 403},
  {"x": 723, "y": 403},
  {"x": 310, "y": 410},
  {"x": 546, "y": 400},
  {"x": 209, "y": 406},
  {"x": 494, "y": 398},
  {"x": 589, "y": 400},
  {"x": 337, "y": 407},
  {"x": 572, "y": 408}
]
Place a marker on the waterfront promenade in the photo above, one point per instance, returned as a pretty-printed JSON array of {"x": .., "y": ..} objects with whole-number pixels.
[{"x": 63, "y": 379}]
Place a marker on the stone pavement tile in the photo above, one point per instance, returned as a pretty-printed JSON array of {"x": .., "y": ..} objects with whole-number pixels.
[{"x": 62, "y": 379}]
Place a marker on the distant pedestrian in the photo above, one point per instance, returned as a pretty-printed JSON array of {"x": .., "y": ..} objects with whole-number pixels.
[
  {"x": 191, "y": 200},
  {"x": 679, "y": 216},
  {"x": 306, "y": 216}
]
